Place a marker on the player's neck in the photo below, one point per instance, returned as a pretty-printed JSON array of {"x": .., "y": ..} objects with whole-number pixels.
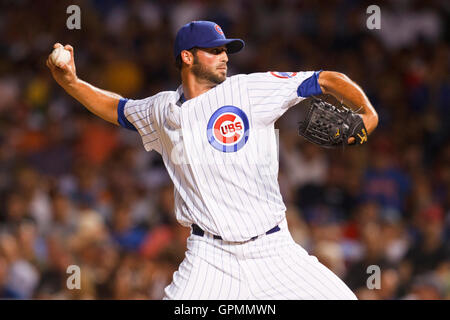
[{"x": 193, "y": 87}]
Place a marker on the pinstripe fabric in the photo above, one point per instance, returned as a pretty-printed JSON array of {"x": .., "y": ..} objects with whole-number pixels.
[
  {"x": 272, "y": 267},
  {"x": 208, "y": 272},
  {"x": 232, "y": 194},
  {"x": 243, "y": 184},
  {"x": 140, "y": 115}
]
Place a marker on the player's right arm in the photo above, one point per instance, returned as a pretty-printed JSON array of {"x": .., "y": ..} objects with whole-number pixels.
[{"x": 100, "y": 102}]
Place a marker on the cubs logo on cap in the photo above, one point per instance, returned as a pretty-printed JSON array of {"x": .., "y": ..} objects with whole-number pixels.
[
  {"x": 218, "y": 29},
  {"x": 228, "y": 129},
  {"x": 283, "y": 75}
]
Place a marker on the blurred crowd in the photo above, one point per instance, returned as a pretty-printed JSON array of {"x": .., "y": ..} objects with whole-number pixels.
[{"x": 75, "y": 190}]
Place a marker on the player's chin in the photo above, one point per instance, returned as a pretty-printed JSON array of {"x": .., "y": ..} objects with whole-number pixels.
[{"x": 222, "y": 74}]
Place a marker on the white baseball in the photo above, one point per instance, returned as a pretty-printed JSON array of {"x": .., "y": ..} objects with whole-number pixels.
[{"x": 60, "y": 56}]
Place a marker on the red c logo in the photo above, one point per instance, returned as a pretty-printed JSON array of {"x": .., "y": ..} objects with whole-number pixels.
[
  {"x": 218, "y": 29},
  {"x": 221, "y": 130}
]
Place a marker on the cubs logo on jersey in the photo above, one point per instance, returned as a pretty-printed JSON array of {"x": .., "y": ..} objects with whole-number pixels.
[
  {"x": 228, "y": 129},
  {"x": 283, "y": 75}
]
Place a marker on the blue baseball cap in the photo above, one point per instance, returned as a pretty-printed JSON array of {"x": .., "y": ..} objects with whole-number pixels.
[{"x": 204, "y": 34}]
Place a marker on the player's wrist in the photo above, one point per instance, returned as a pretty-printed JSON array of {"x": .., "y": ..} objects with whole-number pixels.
[
  {"x": 73, "y": 87},
  {"x": 73, "y": 83},
  {"x": 370, "y": 121}
]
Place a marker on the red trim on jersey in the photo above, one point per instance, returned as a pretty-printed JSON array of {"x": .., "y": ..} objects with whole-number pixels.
[{"x": 283, "y": 77}]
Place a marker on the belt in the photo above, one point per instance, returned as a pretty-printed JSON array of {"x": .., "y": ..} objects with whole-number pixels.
[{"x": 199, "y": 232}]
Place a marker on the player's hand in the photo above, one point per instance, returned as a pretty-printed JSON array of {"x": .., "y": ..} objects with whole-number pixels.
[
  {"x": 64, "y": 74},
  {"x": 370, "y": 122}
]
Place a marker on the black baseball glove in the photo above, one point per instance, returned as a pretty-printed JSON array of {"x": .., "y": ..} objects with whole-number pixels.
[{"x": 329, "y": 126}]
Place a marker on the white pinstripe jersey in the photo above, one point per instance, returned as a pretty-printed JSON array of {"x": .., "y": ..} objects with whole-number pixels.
[{"x": 220, "y": 148}]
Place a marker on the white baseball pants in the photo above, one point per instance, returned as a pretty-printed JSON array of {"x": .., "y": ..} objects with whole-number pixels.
[{"x": 269, "y": 268}]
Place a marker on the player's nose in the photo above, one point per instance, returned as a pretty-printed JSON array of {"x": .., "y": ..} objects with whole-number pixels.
[{"x": 224, "y": 57}]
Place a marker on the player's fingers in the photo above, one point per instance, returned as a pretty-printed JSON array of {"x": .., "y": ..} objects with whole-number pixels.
[
  {"x": 63, "y": 66},
  {"x": 50, "y": 64},
  {"x": 53, "y": 68},
  {"x": 53, "y": 65},
  {"x": 49, "y": 61},
  {"x": 56, "y": 45},
  {"x": 351, "y": 140},
  {"x": 70, "y": 49}
]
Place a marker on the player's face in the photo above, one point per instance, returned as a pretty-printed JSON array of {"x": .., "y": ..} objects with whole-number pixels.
[{"x": 211, "y": 64}]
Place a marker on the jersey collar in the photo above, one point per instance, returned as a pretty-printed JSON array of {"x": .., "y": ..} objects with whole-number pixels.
[{"x": 180, "y": 96}]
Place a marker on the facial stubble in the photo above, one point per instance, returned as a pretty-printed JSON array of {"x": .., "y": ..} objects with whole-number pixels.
[{"x": 201, "y": 72}]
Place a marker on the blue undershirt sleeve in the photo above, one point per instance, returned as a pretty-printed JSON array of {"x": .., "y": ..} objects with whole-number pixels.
[
  {"x": 123, "y": 121},
  {"x": 310, "y": 87}
]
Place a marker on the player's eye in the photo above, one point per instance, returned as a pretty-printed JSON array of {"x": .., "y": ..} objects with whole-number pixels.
[
  {"x": 219, "y": 50},
  {"x": 215, "y": 51}
]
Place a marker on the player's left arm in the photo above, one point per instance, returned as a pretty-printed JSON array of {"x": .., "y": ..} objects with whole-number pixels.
[{"x": 349, "y": 93}]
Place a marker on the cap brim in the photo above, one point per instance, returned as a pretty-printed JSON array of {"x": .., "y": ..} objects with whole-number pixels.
[{"x": 233, "y": 45}]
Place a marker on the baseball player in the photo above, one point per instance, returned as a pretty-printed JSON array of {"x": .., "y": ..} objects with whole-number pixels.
[{"x": 217, "y": 139}]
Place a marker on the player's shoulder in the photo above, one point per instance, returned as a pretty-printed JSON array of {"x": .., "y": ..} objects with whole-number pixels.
[
  {"x": 166, "y": 95},
  {"x": 267, "y": 75},
  {"x": 244, "y": 77},
  {"x": 235, "y": 77},
  {"x": 156, "y": 99},
  {"x": 279, "y": 75},
  {"x": 257, "y": 78}
]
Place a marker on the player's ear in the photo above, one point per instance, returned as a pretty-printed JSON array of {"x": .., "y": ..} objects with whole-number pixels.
[{"x": 187, "y": 57}]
